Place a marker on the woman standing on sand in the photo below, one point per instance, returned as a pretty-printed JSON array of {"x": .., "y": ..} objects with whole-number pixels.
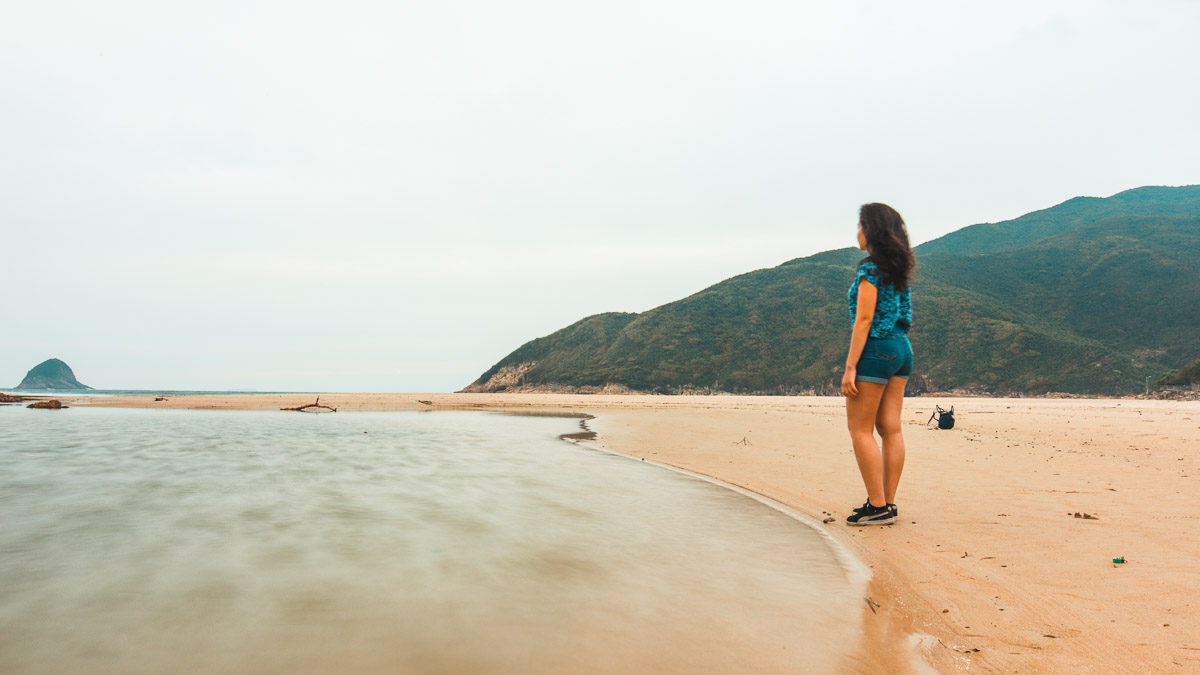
[{"x": 880, "y": 359}]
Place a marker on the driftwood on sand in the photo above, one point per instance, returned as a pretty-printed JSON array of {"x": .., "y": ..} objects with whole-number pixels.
[{"x": 313, "y": 407}]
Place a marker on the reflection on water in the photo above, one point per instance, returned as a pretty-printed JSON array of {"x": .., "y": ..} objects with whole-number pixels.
[{"x": 147, "y": 541}]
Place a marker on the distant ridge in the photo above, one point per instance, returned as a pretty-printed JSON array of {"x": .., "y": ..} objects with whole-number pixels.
[
  {"x": 51, "y": 374},
  {"x": 1073, "y": 213},
  {"x": 1091, "y": 296}
]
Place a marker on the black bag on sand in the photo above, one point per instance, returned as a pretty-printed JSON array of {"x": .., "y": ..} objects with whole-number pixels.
[{"x": 945, "y": 418}]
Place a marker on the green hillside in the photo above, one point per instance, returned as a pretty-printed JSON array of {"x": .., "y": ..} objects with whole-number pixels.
[
  {"x": 1190, "y": 375},
  {"x": 1130, "y": 282},
  {"x": 1073, "y": 213},
  {"x": 1091, "y": 296}
]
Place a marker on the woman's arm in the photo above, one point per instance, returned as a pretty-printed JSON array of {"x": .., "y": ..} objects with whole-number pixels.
[{"x": 863, "y": 315}]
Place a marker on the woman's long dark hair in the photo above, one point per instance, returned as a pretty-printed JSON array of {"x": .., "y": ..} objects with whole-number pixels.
[{"x": 887, "y": 244}]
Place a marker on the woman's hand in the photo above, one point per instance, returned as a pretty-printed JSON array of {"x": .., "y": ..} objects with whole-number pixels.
[{"x": 849, "y": 389}]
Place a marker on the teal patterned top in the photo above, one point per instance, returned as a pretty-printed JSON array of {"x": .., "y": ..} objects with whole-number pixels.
[{"x": 893, "y": 309}]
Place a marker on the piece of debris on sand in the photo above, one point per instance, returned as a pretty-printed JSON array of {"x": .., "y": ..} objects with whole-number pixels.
[{"x": 313, "y": 407}]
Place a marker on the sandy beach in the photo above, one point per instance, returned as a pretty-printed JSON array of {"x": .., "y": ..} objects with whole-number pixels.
[{"x": 988, "y": 568}]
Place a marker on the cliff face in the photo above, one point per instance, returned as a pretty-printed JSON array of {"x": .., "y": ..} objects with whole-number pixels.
[{"x": 51, "y": 374}]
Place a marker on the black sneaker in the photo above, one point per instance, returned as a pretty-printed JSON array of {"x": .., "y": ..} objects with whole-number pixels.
[
  {"x": 893, "y": 507},
  {"x": 872, "y": 515}
]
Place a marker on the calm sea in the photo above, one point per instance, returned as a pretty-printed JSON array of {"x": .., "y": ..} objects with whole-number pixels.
[{"x": 149, "y": 541}]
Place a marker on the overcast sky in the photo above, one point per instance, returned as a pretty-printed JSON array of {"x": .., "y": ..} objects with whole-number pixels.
[{"x": 392, "y": 196}]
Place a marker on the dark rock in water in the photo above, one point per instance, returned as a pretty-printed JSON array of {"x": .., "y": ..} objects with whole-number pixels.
[
  {"x": 9, "y": 398},
  {"x": 52, "y": 374},
  {"x": 48, "y": 405}
]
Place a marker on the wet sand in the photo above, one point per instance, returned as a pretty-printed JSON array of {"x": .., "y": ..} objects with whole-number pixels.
[{"x": 987, "y": 555}]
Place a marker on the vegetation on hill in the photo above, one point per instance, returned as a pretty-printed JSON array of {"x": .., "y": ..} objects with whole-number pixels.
[
  {"x": 1190, "y": 375},
  {"x": 1073, "y": 213},
  {"x": 51, "y": 374},
  {"x": 1091, "y": 296}
]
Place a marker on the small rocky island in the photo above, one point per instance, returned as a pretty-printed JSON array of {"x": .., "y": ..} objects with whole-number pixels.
[{"x": 51, "y": 374}]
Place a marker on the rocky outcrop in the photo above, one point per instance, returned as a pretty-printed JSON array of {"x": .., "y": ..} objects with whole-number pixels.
[
  {"x": 51, "y": 374},
  {"x": 48, "y": 405},
  {"x": 507, "y": 378},
  {"x": 9, "y": 398}
]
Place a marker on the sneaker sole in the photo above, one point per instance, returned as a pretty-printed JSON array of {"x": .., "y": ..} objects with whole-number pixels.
[{"x": 877, "y": 521}]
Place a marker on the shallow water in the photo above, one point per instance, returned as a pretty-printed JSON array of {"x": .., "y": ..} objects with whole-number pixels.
[
  {"x": 75, "y": 394},
  {"x": 149, "y": 540}
]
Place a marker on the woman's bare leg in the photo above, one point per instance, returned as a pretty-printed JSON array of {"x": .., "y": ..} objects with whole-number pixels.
[
  {"x": 887, "y": 421},
  {"x": 861, "y": 411}
]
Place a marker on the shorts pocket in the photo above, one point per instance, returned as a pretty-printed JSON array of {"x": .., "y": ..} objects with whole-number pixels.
[{"x": 884, "y": 350}]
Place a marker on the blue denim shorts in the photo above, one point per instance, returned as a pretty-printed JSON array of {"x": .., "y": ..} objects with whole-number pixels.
[{"x": 885, "y": 358}]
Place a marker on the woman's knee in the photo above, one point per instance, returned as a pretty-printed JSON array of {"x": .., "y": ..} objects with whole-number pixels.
[
  {"x": 893, "y": 443},
  {"x": 888, "y": 427}
]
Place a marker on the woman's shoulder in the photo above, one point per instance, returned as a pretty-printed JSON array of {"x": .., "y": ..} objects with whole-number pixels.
[{"x": 867, "y": 266}]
